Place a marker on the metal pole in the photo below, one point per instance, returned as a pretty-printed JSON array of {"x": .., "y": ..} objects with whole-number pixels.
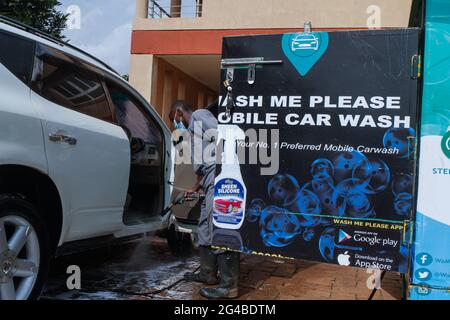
[
  {"x": 308, "y": 26},
  {"x": 152, "y": 9},
  {"x": 175, "y": 8},
  {"x": 199, "y": 8}
]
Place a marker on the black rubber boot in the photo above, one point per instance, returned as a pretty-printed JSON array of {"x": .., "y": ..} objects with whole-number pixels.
[
  {"x": 229, "y": 265},
  {"x": 208, "y": 268}
]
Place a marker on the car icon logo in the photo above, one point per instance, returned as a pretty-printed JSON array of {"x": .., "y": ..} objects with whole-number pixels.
[{"x": 305, "y": 42}]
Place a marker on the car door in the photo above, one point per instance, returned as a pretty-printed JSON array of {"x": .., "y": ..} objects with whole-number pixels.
[
  {"x": 151, "y": 166},
  {"x": 88, "y": 156}
]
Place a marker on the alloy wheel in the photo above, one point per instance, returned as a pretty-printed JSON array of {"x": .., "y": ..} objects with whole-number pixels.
[{"x": 19, "y": 258}]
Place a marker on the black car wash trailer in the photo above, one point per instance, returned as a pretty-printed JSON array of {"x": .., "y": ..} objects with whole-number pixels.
[{"x": 328, "y": 169}]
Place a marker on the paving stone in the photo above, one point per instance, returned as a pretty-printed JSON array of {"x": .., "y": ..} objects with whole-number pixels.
[
  {"x": 286, "y": 270},
  {"x": 265, "y": 292},
  {"x": 344, "y": 292},
  {"x": 392, "y": 295},
  {"x": 276, "y": 281},
  {"x": 286, "y": 296},
  {"x": 343, "y": 296},
  {"x": 378, "y": 295},
  {"x": 344, "y": 282},
  {"x": 310, "y": 294},
  {"x": 255, "y": 279},
  {"x": 245, "y": 296},
  {"x": 149, "y": 271},
  {"x": 268, "y": 266}
]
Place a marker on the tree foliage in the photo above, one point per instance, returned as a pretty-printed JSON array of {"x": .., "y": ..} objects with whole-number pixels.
[{"x": 40, "y": 14}]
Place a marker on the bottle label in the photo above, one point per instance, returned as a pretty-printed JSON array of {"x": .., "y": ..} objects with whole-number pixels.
[{"x": 228, "y": 201}]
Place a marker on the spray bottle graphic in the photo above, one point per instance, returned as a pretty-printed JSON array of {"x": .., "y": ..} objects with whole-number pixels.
[{"x": 229, "y": 188}]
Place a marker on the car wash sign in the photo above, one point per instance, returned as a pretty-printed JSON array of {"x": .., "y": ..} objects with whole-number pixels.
[{"x": 328, "y": 159}]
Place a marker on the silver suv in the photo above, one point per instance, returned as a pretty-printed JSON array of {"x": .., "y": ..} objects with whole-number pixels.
[{"x": 84, "y": 159}]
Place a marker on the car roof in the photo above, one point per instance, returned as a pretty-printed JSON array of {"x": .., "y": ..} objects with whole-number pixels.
[
  {"x": 28, "y": 32},
  {"x": 305, "y": 36}
]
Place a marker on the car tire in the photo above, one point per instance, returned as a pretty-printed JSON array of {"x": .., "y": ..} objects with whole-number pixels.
[
  {"x": 22, "y": 273},
  {"x": 180, "y": 243}
]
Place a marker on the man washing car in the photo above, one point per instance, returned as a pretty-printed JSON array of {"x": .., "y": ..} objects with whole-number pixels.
[{"x": 200, "y": 124}]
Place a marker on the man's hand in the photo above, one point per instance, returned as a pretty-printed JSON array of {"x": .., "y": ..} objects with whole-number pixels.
[
  {"x": 197, "y": 186},
  {"x": 194, "y": 189},
  {"x": 192, "y": 193},
  {"x": 193, "y": 196}
]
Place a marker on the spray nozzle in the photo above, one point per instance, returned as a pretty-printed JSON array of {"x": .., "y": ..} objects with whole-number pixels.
[{"x": 231, "y": 134}]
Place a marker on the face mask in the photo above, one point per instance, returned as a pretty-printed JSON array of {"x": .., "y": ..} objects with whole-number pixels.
[{"x": 178, "y": 125}]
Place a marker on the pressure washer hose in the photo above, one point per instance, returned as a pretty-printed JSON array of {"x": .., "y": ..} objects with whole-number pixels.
[{"x": 183, "y": 197}]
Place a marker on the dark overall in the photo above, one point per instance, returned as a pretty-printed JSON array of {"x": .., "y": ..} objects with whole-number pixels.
[
  {"x": 203, "y": 122},
  {"x": 203, "y": 130}
]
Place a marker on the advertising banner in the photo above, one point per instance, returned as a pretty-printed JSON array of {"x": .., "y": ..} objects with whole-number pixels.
[
  {"x": 431, "y": 261},
  {"x": 318, "y": 149}
]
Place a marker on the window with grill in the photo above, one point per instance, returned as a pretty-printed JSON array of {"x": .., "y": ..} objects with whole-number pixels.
[{"x": 64, "y": 81}]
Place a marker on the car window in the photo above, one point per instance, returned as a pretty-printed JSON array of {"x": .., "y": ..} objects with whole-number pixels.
[
  {"x": 63, "y": 80},
  {"x": 16, "y": 54},
  {"x": 133, "y": 117}
]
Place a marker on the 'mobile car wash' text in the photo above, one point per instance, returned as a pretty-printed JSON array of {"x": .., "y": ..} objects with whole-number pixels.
[{"x": 322, "y": 119}]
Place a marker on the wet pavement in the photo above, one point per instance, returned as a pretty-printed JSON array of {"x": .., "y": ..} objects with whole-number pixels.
[{"x": 146, "y": 269}]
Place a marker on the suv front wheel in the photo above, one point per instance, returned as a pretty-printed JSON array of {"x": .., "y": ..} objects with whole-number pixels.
[{"x": 24, "y": 249}]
